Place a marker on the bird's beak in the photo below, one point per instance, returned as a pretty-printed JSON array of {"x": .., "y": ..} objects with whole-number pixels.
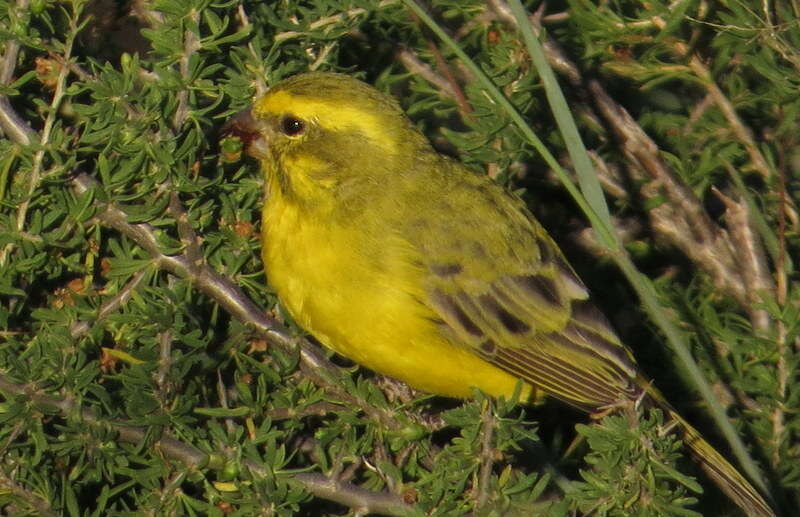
[{"x": 250, "y": 131}]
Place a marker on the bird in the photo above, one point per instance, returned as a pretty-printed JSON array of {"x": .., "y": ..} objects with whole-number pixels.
[{"x": 408, "y": 263}]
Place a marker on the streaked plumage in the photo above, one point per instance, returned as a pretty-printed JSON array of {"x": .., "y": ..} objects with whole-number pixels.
[{"x": 406, "y": 262}]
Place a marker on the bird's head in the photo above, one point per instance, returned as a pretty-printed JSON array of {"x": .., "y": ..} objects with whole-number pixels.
[{"x": 324, "y": 130}]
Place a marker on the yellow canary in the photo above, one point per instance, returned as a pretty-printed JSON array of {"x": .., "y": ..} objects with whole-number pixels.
[{"x": 409, "y": 264}]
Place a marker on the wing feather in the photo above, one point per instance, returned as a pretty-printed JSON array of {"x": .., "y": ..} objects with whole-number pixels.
[{"x": 507, "y": 294}]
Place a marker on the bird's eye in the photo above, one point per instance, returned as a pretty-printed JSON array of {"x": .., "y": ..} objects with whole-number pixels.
[{"x": 292, "y": 126}]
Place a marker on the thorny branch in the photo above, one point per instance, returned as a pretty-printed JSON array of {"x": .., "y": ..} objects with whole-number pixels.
[
  {"x": 9, "y": 484},
  {"x": 717, "y": 244},
  {"x": 330, "y": 20},
  {"x": 12, "y": 124},
  {"x": 259, "y": 85},
  {"x": 487, "y": 454},
  {"x": 190, "y": 46},
  {"x": 344, "y": 493},
  {"x": 735, "y": 259},
  {"x": 227, "y": 294},
  {"x": 683, "y": 221},
  {"x": 35, "y": 174},
  {"x": 232, "y": 299}
]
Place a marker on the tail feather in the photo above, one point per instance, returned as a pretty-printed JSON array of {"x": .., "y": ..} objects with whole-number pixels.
[{"x": 725, "y": 475}]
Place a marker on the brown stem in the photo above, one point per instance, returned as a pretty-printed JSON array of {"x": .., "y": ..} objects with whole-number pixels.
[
  {"x": 35, "y": 173},
  {"x": 321, "y": 486},
  {"x": 750, "y": 257},
  {"x": 190, "y": 46},
  {"x": 12, "y": 124},
  {"x": 683, "y": 220},
  {"x": 486, "y": 456},
  {"x": 330, "y": 20},
  {"x": 416, "y": 66},
  {"x": 228, "y": 295}
]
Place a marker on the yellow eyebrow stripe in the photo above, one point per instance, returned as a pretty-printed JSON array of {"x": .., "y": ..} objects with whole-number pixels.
[{"x": 327, "y": 115}]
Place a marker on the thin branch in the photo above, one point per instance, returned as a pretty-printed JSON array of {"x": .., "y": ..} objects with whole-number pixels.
[
  {"x": 7, "y": 480},
  {"x": 313, "y": 364},
  {"x": 418, "y": 67},
  {"x": 81, "y": 328},
  {"x": 205, "y": 279},
  {"x": 164, "y": 365},
  {"x": 317, "y": 409},
  {"x": 15, "y": 128},
  {"x": 683, "y": 220},
  {"x": 487, "y": 455},
  {"x": 260, "y": 85},
  {"x": 320, "y": 57},
  {"x": 361, "y": 501},
  {"x": 330, "y": 20},
  {"x": 778, "y": 416},
  {"x": 9, "y": 61},
  {"x": 556, "y": 57},
  {"x": 228, "y": 295},
  {"x": 750, "y": 257},
  {"x": 321, "y": 486},
  {"x": 609, "y": 176},
  {"x": 444, "y": 69},
  {"x": 188, "y": 236},
  {"x": 13, "y": 490},
  {"x": 784, "y": 370},
  {"x": 643, "y": 154},
  {"x": 35, "y": 173},
  {"x": 190, "y": 46},
  {"x": 740, "y": 130}
]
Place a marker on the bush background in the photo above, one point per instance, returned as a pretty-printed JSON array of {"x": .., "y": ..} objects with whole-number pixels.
[{"x": 145, "y": 369}]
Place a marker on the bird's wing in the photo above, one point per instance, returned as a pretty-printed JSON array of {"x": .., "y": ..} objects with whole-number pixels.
[{"x": 499, "y": 285}]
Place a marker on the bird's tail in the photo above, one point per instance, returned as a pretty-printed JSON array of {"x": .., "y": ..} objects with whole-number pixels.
[{"x": 725, "y": 475}]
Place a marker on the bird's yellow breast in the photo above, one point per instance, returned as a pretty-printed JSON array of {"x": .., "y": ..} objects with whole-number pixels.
[{"x": 367, "y": 307}]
